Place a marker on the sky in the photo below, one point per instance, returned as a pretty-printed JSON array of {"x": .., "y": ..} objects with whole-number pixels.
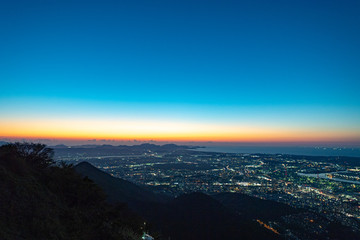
[{"x": 191, "y": 71}]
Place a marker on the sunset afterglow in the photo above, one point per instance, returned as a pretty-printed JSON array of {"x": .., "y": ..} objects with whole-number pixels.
[{"x": 233, "y": 125}]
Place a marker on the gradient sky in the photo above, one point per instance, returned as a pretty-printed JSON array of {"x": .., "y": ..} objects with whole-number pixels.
[{"x": 230, "y": 71}]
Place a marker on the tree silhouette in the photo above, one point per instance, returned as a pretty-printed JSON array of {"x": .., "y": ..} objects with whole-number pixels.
[
  {"x": 41, "y": 199},
  {"x": 37, "y": 154}
]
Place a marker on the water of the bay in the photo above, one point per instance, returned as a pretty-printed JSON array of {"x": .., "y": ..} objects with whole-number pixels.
[{"x": 309, "y": 151}]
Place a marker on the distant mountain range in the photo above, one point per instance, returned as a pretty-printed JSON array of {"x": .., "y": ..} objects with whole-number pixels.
[
  {"x": 148, "y": 146},
  {"x": 109, "y": 150}
]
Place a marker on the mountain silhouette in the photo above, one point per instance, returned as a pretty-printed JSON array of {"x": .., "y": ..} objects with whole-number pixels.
[
  {"x": 189, "y": 216},
  {"x": 199, "y": 216},
  {"x": 41, "y": 200},
  {"x": 117, "y": 189},
  {"x": 255, "y": 208}
]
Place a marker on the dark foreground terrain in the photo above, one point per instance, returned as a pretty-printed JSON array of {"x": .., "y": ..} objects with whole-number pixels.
[{"x": 41, "y": 201}]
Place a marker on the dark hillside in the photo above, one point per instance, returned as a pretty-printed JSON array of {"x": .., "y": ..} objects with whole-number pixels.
[
  {"x": 199, "y": 216},
  {"x": 255, "y": 208},
  {"x": 117, "y": 189},
  {"x": 41, "y": 201},
  {"x": 191, "y": 216}
]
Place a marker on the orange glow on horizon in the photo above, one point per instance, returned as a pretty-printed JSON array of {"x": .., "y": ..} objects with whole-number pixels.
[{"x": 167, "y": 131}]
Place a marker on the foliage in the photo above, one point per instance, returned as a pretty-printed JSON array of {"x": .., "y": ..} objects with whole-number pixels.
[
  {"x": 40, "y": 200},
  {"x": 36, "y": 154}
]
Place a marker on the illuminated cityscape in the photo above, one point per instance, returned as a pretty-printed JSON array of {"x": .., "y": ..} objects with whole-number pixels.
[{"x": 325, "y": 186}]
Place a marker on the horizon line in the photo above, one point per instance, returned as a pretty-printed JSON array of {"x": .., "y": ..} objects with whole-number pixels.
[{"x": 102, "y": 141}]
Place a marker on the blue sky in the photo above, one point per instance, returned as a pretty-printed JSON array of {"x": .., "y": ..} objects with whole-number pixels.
[{"x": 224, "y": 60}]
